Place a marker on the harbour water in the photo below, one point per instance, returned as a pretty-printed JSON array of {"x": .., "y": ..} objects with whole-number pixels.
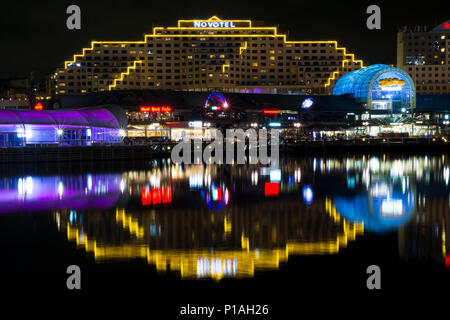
[{"x": 315, "y": 223}]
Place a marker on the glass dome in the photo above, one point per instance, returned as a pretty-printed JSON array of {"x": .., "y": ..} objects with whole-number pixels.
[{"x": 380, "y": 86}]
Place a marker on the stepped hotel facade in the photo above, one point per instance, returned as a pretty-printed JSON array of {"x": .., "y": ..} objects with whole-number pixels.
[{"x": 205, "y": 55}]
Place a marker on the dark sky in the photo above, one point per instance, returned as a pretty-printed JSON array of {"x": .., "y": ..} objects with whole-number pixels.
[{"x": 34, "y": 36}]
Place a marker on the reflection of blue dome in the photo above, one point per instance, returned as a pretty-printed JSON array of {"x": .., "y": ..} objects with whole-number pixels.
[{"x": 378, "y": 214}]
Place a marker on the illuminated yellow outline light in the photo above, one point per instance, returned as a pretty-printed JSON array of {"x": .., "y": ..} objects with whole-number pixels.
[
  {"x": 124, "y": 74},
  {"x": 130, "y": 224},
  {"x": 186, "y": 261},
  {"x": 215, "y": 18}
]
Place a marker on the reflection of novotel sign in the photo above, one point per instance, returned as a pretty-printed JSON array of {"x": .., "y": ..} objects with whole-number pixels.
[{"x": 214, "y": 24}]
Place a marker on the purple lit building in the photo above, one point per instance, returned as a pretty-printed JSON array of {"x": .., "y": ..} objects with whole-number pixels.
[{"x": 61, "y": 127}]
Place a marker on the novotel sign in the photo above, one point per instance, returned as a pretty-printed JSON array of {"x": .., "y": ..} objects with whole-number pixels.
[{"x": 214, "y": 24}]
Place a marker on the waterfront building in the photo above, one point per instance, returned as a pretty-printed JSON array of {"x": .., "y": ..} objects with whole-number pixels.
[
  {"x": 424, "y": 54},
  {"x": 376, "y": 100},
  {"x": 208, "y": 55},
  {"x": 386, "y": 93},
  {"x": 89, "y": 126}
]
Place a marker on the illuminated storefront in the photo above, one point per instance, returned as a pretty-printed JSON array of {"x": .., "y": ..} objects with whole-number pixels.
[{"x": 197, "y": 130}]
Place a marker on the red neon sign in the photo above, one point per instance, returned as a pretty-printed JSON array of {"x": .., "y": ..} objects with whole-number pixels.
[
  {"x": 446, "y": 25},
  {"x": 271, "y": 111},
  {"x": 38, "y": 106},
  {"x": 447, "y": 261},
  {"x": 155, "y": 109},
  {"x": 156, "y": 195}
]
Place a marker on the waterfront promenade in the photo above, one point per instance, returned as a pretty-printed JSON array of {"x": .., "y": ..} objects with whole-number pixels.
[{"x": 147, "y": 151}]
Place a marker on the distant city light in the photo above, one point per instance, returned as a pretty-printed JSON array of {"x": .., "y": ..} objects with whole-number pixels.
[
  {"x": 195, "y": 124},
  {"x": 307, "y": 103},
  {"x": 308, "y": 194},
  {"x": 271, "y": 111},
  {"x": 275, "y": 175},
  {"x": 38, "y": 106}
]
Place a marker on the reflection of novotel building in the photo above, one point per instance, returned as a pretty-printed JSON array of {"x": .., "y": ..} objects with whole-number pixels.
[{"x": 234, "y": 242}]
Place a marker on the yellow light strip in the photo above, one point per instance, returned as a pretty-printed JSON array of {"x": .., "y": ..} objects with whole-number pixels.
[
  {"x": 225, "y": 65},
  {"x": 243, "y": 48},
  {"x": 124, "y": 74},
  {"x": 444, "y": 245}
]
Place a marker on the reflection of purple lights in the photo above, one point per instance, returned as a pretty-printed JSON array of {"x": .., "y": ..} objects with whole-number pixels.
[
  {"x": 216, "y": 197},
  {"x": 59, "y": 192},
  {"x": 308, "y": 194}
]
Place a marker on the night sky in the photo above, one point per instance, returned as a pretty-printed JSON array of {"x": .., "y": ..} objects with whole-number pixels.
[{"x": 34, "y": 36}]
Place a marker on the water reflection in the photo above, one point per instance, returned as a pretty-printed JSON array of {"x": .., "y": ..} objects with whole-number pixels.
[
  {"x": 34, "y": 193},
  {"x": 232, "y": 221}
]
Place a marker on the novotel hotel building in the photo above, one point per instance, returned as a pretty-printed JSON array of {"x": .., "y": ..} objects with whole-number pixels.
[{"x": 205, "y": 55}]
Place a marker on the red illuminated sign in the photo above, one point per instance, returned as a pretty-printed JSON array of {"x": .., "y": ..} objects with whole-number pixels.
[
  {"x": 271, "y": 111},
  {"x": 271, "y": 189},
  {"x": 447, "y": 261},
  {"x": 155, "y": 109},
  {"x": 446, "y": 25},
  {"x": 146, "y": 199},
  {"x": 156, "y": 195},
  {"x": 167, "y": 195},
  {"x": 38, "y": 106}
]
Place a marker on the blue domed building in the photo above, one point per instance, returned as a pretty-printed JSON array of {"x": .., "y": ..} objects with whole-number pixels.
[{"x": 379, "y": 87}]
